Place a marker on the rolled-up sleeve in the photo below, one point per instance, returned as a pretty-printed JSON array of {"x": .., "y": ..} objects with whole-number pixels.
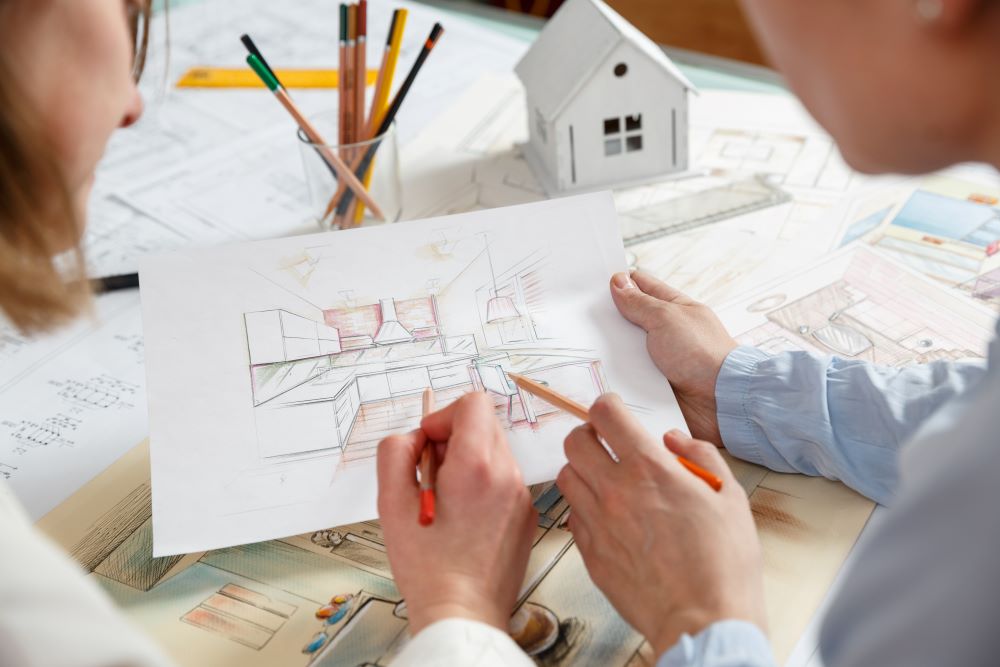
[
  {"x": 723, "y": 644},
  {"x": 837, "y": 418}
]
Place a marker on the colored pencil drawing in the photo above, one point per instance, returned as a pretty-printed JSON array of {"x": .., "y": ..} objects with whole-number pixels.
[
  {"x": 355, "y": 367},
  {"x": 327, "y": 597},
  {"x": 864, "y": 306},
  {"x": 946, "y": 226}
]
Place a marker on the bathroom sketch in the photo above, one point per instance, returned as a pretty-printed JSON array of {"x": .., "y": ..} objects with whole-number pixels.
[{"x": 357, "y": 358}]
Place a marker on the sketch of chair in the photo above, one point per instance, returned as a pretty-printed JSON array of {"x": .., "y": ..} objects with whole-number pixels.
[{"x": 494, "y": 379}]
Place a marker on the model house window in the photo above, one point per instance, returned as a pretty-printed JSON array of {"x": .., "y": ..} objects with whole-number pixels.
[{"x": 622, "y": 135}]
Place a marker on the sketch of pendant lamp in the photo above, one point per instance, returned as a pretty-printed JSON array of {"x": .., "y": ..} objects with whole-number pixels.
[{"x": 498, "y": 308}]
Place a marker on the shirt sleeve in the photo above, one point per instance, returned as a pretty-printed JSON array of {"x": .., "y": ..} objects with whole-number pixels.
[
  {"x": 832, "y": 417},
  {"x": 52, "y": 615},
  {"x": 722, "y": 644},
  {"x": 459, "y": 641}
]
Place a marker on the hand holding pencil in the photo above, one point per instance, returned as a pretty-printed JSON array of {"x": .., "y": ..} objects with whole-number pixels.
[{"x": 470, "y": 562}]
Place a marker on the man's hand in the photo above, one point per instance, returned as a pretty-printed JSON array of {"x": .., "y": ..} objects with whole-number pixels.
[
  {"x": 672, "y": 555},
  {"x": 470, "y": 562},
  {"x": 686, "y": 341}
]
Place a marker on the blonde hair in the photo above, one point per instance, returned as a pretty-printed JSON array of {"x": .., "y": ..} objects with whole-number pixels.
[
  {"x": 37, "y": 221},
  {"x": 42, "y": 269}
]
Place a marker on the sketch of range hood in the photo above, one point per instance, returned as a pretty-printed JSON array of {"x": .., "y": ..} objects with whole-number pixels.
[{"x": 391, "y": 330}]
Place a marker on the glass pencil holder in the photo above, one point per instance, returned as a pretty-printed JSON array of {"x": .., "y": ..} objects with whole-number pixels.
[{"x": 374, "y": 164}]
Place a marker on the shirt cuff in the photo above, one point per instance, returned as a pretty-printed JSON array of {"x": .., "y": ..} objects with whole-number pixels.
[
  {"x": 461, "y": 641},
  {"x": 740, "y": 434},
  {"x": 723, "y": 643}
]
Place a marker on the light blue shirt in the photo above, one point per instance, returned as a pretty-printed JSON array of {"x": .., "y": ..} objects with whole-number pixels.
[{"x": 925, "y": 440}]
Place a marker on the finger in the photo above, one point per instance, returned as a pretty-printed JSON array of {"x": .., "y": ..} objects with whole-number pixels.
[
  {"x": 577, "y": 493},
  {"x": 587, "y": 456},
  {"x": 621, "y": 429},
  {"x": 580, "y": 532},
  {"x": 397, "y": 460},
  {"x": 658, "y": 289},
  {"x": 637, "y": 307},
  {"x": 474, "y": 433},
  {"x": 704, "y": 454}
]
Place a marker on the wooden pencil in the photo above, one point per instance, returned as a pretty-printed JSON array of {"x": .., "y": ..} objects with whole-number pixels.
[
  {"x": 386, "y": 71},
  {"x": 567, "y": 404},
  {"x": 350, "y": 86},
  {"x": 380, "y": 98},
  {"x": 360, "y": 64},
  {"x": 428, "y": 469},
  {"x": 345, "y": 174},
  {"x": 341, "y": 198},
  {"x": 342, "y": 79}
]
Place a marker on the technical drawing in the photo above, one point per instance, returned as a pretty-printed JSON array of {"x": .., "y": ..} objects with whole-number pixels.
[
  {"x": 102, "y": 392},
  {"x": 7, "y": 471},
  {"x": 363, "y": 368},
  {"x": 55, "y": 431}
]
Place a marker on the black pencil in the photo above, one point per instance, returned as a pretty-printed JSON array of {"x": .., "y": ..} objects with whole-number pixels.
[
  {"x": 114, "y": 283},
  {"x": 390, "y": 115}
]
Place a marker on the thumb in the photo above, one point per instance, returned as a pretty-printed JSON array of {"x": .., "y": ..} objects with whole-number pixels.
[
  {"x": 699, "y": 452},
  {"x": 636, "y": 306}
]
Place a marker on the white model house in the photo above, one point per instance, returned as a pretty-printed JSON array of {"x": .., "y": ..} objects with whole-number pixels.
[{"x": 606, "y": 106}]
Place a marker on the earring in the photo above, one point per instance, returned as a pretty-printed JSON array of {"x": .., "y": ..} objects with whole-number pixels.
[{"x": 929, "y": 10}]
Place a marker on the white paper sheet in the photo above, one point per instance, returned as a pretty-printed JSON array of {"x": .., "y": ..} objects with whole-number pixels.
[
  {"x": 70, "y": 403},
  {"x": 275, "y": 367}
]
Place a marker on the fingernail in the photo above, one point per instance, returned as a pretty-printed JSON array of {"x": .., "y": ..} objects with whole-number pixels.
[{"x": 622, "y": 281}]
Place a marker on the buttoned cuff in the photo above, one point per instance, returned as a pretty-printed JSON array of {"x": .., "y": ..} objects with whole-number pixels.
[{"x": 722, "y": 643}]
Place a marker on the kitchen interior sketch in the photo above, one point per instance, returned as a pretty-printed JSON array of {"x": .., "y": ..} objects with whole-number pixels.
[
  {"x": 874, "y": 310},
  {"x": 359, "y": 363}
]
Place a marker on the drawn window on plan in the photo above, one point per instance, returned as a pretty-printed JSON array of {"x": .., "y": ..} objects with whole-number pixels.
[
  {"x": 242, "y": 615},
  {"x": 947, "y": 228},
  {"x": 875, "y": 311},
  {"x": 360, "y": 363}
]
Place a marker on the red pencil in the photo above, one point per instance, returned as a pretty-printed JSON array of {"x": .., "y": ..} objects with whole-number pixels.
[{"x": 428, "y": 469}]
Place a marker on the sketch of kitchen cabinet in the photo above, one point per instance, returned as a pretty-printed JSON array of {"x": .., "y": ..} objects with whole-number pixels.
[{"x": 346, "y": 407}]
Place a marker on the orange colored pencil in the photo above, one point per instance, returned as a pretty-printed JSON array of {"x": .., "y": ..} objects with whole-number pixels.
[
  {"x": 428, "y": 469},
  {"x": 556, "y": 399}
]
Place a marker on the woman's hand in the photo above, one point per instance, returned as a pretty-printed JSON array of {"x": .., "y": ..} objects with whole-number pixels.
[
  {"x": 686, "y": 341},
  {"x": 672, "y": 555},
  {"x": 470, "y": 562}
]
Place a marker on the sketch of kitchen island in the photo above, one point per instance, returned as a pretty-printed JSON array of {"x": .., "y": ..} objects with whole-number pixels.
[{"x": 358, "y": 375}]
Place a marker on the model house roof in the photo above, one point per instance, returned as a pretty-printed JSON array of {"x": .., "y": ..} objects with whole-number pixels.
[{"x": 573, "y": 45}]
